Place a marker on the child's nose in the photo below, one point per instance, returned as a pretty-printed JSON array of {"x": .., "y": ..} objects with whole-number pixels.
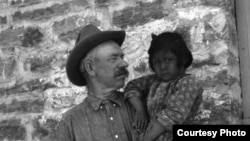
[{"x": 164, "y": 66}]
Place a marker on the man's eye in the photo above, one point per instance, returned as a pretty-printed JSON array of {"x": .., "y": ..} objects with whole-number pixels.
[{"x": 113, "y": 59}]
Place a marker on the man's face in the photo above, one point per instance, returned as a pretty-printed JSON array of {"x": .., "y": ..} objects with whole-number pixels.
[{"x": 110, "y": 68}]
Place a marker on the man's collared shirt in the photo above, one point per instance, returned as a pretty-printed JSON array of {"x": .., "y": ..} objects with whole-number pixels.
[{"x": 96, "y": 119}]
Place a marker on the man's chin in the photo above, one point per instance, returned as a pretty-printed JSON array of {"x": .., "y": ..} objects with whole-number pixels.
[
  {"x": 120, "y": 84},
  {"x": 118, "y": 87},
  {"x": 120, "y": 81}
]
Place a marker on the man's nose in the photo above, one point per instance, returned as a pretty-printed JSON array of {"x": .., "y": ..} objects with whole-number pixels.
[{"x": 124, "y": 63}]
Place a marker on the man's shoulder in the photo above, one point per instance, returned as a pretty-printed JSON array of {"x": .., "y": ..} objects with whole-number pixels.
[{"x": 75, "y": 111}]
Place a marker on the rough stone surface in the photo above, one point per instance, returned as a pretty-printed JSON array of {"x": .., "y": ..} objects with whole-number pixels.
[
  {"x": 22, "y": 3},
  {"x": 11, "y": 130},
  {"x": 37, "y": 36},
  {"x": 10, "y": 37},
  {"x": 31, "y": 37},
  {"x": 68, "y": 29},
  {"x": 43, "y": 13},
  {"x": 7, "y": 67},
  {"x": 23, "y": 106},
  {"x": 143, "y": 13},
  {"x": 43, "y": 129},
  {"x": 3, "y": 20}
]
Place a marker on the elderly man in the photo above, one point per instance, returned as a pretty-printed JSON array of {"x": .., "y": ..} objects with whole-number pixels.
[{"x": 97, "y": 63}]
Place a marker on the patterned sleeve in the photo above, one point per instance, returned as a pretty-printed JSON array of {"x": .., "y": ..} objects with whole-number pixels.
[
  {"x": 139, "y": 86},
  {"x": 186, "y": 97}
]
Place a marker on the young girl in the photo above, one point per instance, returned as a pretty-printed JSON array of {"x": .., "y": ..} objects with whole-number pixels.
[{"x": 170, "y": 96}]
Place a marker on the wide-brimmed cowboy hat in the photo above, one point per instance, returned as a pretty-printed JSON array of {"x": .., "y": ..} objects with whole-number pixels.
[{"x": 89, "y": 37}]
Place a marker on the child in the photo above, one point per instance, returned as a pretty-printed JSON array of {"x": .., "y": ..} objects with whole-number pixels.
[{"x": 170, "y": 96}]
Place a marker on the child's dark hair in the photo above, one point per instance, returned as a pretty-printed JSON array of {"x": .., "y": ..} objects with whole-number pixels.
[{"x": 173, "y": 42}]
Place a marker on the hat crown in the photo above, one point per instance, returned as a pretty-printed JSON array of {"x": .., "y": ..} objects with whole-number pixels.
[{"x": 87, "y": 31}]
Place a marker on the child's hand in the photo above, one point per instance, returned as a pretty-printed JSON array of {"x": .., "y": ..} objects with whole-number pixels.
[{"x": 141, "y": 121}]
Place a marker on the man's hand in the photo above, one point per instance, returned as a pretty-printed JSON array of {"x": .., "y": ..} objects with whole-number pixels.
[
  {"x": 154, "y": 132},
  {"x": 141, "y": 121},
  {"x": 146, "y": 139}
]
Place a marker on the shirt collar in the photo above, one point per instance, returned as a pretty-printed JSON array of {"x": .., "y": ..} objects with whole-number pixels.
[{"x": 96, "y": 102}]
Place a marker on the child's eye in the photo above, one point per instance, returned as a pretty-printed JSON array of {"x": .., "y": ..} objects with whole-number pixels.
[
  {"x": 156, "y": 62},
  {"x": 168, "y": 59}
]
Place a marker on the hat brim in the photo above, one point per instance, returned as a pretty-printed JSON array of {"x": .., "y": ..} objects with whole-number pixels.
[{"x": 83, "y": 47}]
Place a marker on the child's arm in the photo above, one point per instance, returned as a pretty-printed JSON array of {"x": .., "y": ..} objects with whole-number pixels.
[
  {"x": 187, "y": 97},
  {"x": 141, "y": 117}
]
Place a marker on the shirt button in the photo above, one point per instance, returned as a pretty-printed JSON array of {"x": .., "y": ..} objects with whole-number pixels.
[
  {"x": 114, "y": 105},
  {"x": 101, "y": 107},
  {"x": 116, "y": 136},
  {"x": 111, "y": 118}
]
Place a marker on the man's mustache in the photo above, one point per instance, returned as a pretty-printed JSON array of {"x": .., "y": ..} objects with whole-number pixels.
[{"x": 122, "y": 71}]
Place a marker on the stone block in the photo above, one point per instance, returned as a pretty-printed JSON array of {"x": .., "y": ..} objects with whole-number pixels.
[
  {"x": 218, "y": 22},
  {"x": 39, "y": 63},
  {"x": 101, "y": 2},
  {"x": 31, "y": 37},
  {"x": 23, "y": 2},
  {"x": 142, "y": 67},
  {"x": 44, "y": 130},
  {"x": 27, "y": 106},
  {"x": 7, "y": 67},
  {"x": 70, "y": 35},
  {"x": 81, "y": 2},
  {"x": 138, "y": 15},
  {"x": 10, "y": 37},
  {"x": 27, "y": 86},
  {"x": 210, "y": 61},
  {"x": 218, "y": 3},
  {"x": 68, "y": 28},
  {"x": 12, "y": 130},
  {"x": 4, "y": 4},
  {"x": 3, "y": 20},
  {"x": 65, "y": 25},
  {"x": 186, "y": 3},
  {"x": 57, "y": 98},
  {"x": 43, "y": 13}
]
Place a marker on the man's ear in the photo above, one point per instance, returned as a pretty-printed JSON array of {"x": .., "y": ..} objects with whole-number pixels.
[{"x": 88, "y": 67}]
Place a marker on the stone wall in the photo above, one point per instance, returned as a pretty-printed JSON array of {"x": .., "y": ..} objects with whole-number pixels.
[{"x": 37, "y": 35}]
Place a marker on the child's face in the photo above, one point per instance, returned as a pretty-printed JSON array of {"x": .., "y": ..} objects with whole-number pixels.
[{"x": 165, "y": 65}]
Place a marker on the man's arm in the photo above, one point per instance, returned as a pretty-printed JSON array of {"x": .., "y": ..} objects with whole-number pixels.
[
  {"x": 156, "y": 130},
  {"x": 63, "y": 132},
  {"x": 138, "y": 87},
  {"x": 141, "y": 116},
  {"x": 136, "y": 93}
]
